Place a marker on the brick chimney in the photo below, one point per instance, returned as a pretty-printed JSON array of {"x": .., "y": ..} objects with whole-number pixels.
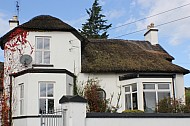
[
  {"x": 13, "y": 22},
  {"x": 152, "y": 34}
]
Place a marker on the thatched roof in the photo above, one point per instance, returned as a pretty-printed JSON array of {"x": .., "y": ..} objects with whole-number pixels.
[
  {"x": 42, "y": 23},
  {"x": 113, "y": 55},
  {"x": 108, "y": 55}
]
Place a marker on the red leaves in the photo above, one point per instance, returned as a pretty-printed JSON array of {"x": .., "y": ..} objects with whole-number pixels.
[
  {"x": 16, "y": 39},
  {"x": 96, "y": 104}
]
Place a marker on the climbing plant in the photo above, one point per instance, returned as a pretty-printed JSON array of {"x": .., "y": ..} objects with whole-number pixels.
[{"x": 16, "y": 45}]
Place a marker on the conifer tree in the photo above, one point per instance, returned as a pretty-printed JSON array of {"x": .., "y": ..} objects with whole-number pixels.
[{"x": 96, "y": 26}]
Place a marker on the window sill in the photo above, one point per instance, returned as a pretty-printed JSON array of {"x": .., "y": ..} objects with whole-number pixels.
[{"x": 42, "y": 65}]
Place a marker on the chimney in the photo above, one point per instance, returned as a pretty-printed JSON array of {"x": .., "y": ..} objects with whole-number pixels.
[
  {"x": 13, "y": 22},
  {"x": 152, "y": 34}
]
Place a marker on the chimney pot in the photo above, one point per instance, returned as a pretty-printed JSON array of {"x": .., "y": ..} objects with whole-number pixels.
[
  {"x": 15, "y": 18},
  {"x": 152, "y": 34},
  {"x": 13, "y": 22}
]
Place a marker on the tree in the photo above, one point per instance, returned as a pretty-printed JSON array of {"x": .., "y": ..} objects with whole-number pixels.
[{"x": 95, "y": 27}]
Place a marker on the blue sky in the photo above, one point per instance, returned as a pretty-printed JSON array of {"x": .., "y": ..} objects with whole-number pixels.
[{"x": 174, "y": 37}]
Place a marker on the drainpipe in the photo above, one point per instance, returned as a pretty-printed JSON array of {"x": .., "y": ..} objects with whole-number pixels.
[
  {"x": 173, "y": 85},
  {"x": 10, "y": 102}
]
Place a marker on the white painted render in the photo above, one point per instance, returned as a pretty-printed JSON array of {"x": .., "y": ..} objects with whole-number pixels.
[
  {"x": 179, "y": 87},
  {"x": 65, "y": 49},
  {"x": 31, "y": 91},
  {"x": 152, "y": 36},
  {"x": 74, "y": 114},
  {"x": 69, "y": 85}
]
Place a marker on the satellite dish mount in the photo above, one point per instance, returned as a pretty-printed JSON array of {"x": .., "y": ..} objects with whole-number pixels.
[{"x": 25, "y": 60}]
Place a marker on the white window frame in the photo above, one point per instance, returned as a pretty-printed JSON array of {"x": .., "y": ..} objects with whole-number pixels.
[
  {"x": 46, "y": 97},
  {"x": 21, "y": 101},
  {"x": 131, "y": 92},
  {"x": 43, "y": 50},
  {"x": 156, "y": 90}
]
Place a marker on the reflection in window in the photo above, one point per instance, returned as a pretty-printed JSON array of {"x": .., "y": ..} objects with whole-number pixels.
[
  {"x": 21, "y": 99},
  {"x": 131, "y": 97},
  {"x": 101, "y": 94},
  {"x": 42, "y": 54},
  {"x": 153, "y": 93},
  {"x": 46, "y": 100}
]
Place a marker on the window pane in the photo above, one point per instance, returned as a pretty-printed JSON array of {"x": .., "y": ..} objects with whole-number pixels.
[
  {"x": 134, "y": 87},
  {"x": 39, "y": 43},
  {"x": 50, "y": 90},
  {"x": 135, "y": 102},
  {"x": 127, "y": 89},
  {"x": 46, "y": 43},
  {"x": 42, "y": 90},
  {"x": 46, "y": 57},
  {"x": 101, "y": 94},
  {"x": 38, "y": 57},
  {"x": 50, "y": 105},
  {"x": 42, "y": 105},
  {"x": 149, "y": 86},
  {"x": 21, "y": 107},
  {"x": 128, "y": 101},
  {"x": 162, "y": 95},
  {"x": 149, "y": 101},
  {"x": 22, "y": 91},
  {"x": 163, "y": 86}
]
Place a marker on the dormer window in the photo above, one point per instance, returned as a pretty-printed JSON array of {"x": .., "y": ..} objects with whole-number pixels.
[{"x": 42, "y": 54}]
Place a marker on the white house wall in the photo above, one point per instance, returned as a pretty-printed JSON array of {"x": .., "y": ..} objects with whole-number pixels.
[
  {"x": 109, "y": 82},
  {"x": 65, "y": 49},
  {"x": 179, "y": 87},
  {"x": 21, "y": 122},
  {"x": 69, "y": 85},
  {"x": 31, "y": 90}
]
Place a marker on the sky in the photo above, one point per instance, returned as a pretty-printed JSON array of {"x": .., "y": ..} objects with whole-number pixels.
[{"x": 173, "y": 37}]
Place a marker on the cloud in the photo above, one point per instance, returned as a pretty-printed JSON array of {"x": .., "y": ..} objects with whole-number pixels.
[
  {"x": 102, "y": 2},
  {"x": 133, "y": 4},
  {"x": 115, "y": 14},
  {"x": 177, "y": 31}
]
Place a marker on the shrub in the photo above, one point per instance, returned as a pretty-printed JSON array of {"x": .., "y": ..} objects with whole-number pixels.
[
  {"x": 168, "y": 105},
  {"x": 95, "y": 103},
  {"x": 187, "y": 96},
  {"x": 132, "y": 111}
]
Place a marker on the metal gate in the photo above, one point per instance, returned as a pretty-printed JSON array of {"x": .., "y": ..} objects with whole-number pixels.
[{"x": 53, "y": 118}]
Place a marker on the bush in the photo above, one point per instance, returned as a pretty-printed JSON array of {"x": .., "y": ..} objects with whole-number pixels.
[
  {"x": 168, "y": 105},
  {"x": 132, "y": 111},
  {"x": 95, "y": 103},
  {"x": 187, "y": 96}
]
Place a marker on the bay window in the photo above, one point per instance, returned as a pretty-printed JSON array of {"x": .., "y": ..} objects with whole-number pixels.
[
  {"x": 131, "y": 97},
  {"x": 153, "y": 93}
]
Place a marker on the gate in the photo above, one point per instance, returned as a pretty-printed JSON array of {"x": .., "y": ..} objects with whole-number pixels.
[{"x": 53, "y": 118}]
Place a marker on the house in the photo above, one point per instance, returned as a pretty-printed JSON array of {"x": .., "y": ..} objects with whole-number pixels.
[{"x": 44, "y": 56}]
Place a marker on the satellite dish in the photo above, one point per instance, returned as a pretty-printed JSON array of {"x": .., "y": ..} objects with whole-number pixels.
[{"x": 25, "y": 59}]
